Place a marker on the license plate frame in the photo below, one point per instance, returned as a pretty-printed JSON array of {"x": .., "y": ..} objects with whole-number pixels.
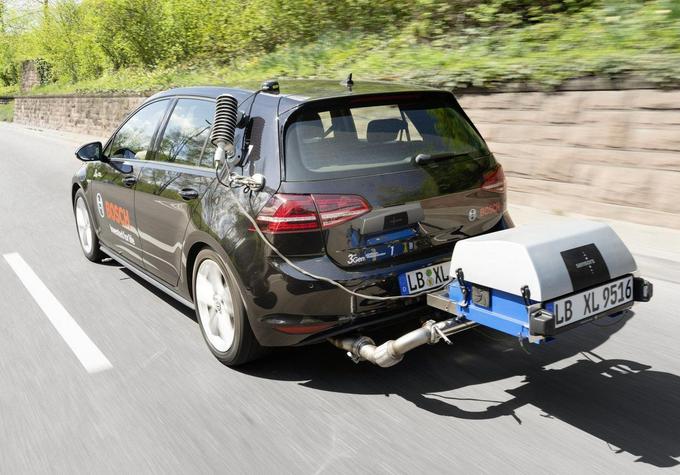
[
  {"x": 438, "y": 277},
  {"x": 592, "y": 303}
]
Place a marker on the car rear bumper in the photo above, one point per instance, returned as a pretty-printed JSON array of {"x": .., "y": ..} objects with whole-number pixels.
[
  {"x": 290, "y": 308},
  {"x": 304, "y": 310}
]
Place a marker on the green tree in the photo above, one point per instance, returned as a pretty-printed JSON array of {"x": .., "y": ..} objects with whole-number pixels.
[
  {"x": 66, "y": 42},
  {"x": 130, "y": 32}
]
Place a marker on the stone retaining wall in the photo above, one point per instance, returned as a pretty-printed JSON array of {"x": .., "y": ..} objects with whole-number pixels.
[
  {"x": 87, "y": 114},
  {"x": 614, "y": 154}
]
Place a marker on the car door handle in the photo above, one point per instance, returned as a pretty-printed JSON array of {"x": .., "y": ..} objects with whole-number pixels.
[
  {"x": 129, "y": 181},
  {"x": 188, "y": 194}
]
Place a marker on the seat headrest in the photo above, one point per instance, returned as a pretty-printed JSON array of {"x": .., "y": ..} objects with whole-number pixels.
[
  {"x": 310, "y": 127},
  {"x": 383, "y": 130}
]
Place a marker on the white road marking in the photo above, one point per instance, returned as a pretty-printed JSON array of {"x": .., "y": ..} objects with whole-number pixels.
[{"x": 85, "y": 350}]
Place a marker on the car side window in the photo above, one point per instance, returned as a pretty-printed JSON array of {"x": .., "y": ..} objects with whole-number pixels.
[
  {"x": 185, "y": 136},
  {"x": 133, "y": 139}
]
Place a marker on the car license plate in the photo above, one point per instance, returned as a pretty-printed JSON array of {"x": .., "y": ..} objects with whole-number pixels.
[
  {"x": 592, "y": 302},
  {"x": 424, "y": 279}
]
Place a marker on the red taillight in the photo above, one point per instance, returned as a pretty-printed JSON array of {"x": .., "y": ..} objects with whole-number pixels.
[
  {"x": 286, "y": 213},
  {"x": 494, "y": 180},
  {"x": 336, "y": 209}
]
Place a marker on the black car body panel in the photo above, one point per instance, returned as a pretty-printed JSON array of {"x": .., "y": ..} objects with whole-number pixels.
[{"x": 156, "y": 213}]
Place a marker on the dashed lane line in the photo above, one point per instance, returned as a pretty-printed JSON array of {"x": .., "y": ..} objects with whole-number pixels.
[{"x": 85, "y": 350}]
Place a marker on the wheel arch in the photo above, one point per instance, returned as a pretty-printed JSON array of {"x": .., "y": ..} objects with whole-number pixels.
[
  {"x": 79, "y": 182},
  {"x": 194, "y": 243},
  {"x": 194, "y": 250},
  {"x": 74, "y": 189}
]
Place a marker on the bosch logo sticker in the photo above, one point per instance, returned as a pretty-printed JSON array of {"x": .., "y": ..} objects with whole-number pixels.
[
  {"x": 100, "y": 205},
  {"x": 117, "y": 214},
  {"x": 493, "y": 208}
]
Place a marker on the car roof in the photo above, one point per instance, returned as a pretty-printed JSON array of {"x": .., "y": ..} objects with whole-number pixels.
[{"x": 296, "y": 91}]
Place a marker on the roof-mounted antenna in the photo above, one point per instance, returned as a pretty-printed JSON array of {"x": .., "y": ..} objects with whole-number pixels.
[{"x": 348, "y": 83}]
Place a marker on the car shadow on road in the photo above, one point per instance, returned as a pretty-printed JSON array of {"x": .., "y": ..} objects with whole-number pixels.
[
  {"x": 189, "y": 313},
  {"x": 624, "y": 403}
]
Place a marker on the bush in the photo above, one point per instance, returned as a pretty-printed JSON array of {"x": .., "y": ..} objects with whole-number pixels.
[
  {"x": 7, "y": 111},
  {"x": 133, "y": 44}
]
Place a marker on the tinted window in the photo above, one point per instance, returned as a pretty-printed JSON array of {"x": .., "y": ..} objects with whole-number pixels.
[
  {"x": 381, "y": 137},
  {"x": 133, "y": 140},
  {"x": 364, "y": 116},
  {"x": 187, "y": 131}
]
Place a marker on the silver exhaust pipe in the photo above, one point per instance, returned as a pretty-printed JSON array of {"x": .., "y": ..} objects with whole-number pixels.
[{"x": 363, "y": 348}]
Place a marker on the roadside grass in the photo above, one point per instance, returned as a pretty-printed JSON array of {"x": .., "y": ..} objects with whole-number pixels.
[
  {"x": 614, "y": 40},
  {"x": 7, "y": 112}
]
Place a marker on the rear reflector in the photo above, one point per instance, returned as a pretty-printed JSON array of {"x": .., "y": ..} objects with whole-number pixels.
[
  {"x": 303, "y": 329},
  {"x": 494, "y": 180},
  {"x": 288, "y": 213}
]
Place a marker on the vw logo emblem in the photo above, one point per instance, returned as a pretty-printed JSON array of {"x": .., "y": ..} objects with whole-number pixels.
[
  {"x": 472, "y": 214},
  {"x": 100, "y": 205}
]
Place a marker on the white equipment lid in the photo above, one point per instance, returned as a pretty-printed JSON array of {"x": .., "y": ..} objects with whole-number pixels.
[{"x": 534, "y": 255}]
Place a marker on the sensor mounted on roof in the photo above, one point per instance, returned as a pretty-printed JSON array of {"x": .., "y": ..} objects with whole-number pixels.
[{"x": 271, "y": 86}]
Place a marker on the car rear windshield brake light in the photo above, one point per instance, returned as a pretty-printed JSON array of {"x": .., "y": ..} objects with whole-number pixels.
[
  {"x": 494, "y": 180},
  {"x": 286, "y": 213}
]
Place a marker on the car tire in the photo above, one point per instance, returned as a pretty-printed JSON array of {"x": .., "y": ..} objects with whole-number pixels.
[
  {"x": 220, "y": 312},
  {"x": 87, "y": 236}
]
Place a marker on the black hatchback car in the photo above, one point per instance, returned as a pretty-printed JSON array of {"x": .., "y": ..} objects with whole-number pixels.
[{"x": 370, "y": 186}]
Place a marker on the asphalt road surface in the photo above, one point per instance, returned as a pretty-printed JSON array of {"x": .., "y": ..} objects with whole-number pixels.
[{"x": 602, "y": 399}]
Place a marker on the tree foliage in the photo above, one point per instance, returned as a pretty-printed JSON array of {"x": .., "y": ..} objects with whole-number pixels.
[{"x": 82, "y": 40}]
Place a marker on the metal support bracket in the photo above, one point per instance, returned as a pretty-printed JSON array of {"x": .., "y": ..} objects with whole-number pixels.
[
  {"x": 438, "y": 334},
  {"x": 460, "y": 277},
  {"x": 526, "y": 295}
]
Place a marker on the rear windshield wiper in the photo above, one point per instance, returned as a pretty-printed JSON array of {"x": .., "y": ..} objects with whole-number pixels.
[{"x": 423, "y": 158}]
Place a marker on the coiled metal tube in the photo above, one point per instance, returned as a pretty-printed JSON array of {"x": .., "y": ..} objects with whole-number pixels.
[{"x": 224, "y": 124}]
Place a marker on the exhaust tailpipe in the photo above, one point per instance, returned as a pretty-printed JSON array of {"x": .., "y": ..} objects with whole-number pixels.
[{"x": 363, "y": 348}]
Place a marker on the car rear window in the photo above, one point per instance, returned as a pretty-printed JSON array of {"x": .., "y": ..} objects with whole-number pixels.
[{"x": 359, "y": 136}]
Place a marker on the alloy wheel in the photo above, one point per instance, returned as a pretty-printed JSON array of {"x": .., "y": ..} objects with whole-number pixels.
[
  {"x": 85, "y": 231},
  {"x": 215, "y": 305}
]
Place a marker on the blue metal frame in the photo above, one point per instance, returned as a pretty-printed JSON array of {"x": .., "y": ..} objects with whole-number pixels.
[{"x": 506, "y": 312}]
